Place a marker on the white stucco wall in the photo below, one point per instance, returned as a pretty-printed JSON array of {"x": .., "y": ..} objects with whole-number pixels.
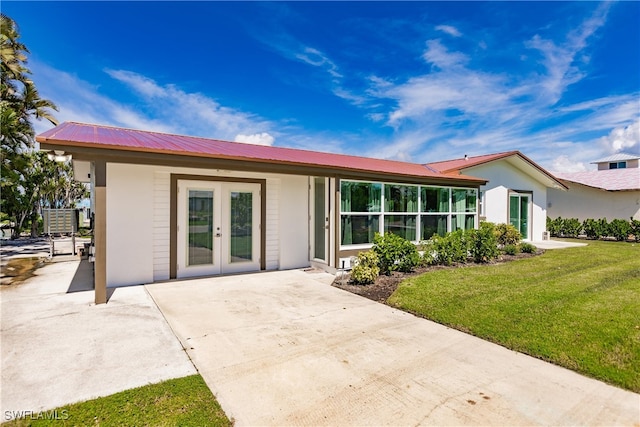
[
  {"x": 138, "y": 211},
  {"x": 502, "y": 178},
  {"x": 584, "y": 202}
]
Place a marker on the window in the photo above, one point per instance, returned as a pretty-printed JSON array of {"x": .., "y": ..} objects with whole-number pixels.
[
  {"x": 403, "y": 201},
  {"x": 410, "y": 211},
  {"x": 618, "y": 165},
  {"x": 357, "y": 200}
]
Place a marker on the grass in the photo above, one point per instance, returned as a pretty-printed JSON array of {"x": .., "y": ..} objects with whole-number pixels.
[
  {"x": 576, "y": 307},
  {"x": 184, "y": 401}
]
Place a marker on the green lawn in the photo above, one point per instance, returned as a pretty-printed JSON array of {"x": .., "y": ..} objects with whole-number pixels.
[
  {"x": 576, "y": 307},
  {"x": 184, "y": 401}
]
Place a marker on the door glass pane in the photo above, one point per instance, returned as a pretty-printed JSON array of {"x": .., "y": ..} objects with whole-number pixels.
[
  {"x": 514, "y": 214},
  {"x": 319, "y": 230},
  {"x": 200, "y": 239},
  {"x": 524, "y": 216},
  {"x": 241, "y": 242}
]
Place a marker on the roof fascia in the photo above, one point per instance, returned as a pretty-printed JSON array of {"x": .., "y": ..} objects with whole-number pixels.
[
  {"x": 204, "y": 162},
  {"x": 527, "y": 161}
]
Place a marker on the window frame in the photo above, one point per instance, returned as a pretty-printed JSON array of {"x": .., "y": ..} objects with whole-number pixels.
[{"x": 417, "y": 215}]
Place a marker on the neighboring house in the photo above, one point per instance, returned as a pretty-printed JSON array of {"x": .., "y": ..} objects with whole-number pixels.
[
  {"x": 516, "y": 191},
  {"x": 612, "y": 191},
  {"x": 170, "y": 206}
]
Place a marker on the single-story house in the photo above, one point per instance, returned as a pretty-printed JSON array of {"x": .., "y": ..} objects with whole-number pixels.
[
  {"x": 170, "y": 206},
  {"x": 612, "y": 191},
  {"x": 515, "y": 192}
]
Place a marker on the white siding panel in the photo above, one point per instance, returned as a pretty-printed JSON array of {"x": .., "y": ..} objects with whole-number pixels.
[
  {"x": 161, "y": 196},
  {"x": 272, "y": 244},
  {"x": 129, "y": 229},
  {"x": 294, "y": 222}
]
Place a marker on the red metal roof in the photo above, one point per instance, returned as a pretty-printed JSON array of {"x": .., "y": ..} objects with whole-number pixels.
[
  {"x": 459, "y": 165},
  {"x": 105, "y": 137},
  {"x": 456, "y": 165}
]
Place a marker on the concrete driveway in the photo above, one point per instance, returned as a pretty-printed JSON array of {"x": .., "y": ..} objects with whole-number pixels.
[
  {"x": 285, "y": 348},
  {"x": 60, "y": 348}
]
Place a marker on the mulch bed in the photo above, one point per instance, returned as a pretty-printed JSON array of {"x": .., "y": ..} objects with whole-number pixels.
[{"x": 384, "y": 286}]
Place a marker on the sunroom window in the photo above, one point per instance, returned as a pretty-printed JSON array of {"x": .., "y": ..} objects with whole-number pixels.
[
  {"x": 402, "y": 201},
  {"x": 357, "y": 199},
  {"x": 410, "y": 211}
]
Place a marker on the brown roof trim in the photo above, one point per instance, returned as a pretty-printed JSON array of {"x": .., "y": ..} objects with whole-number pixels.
[
  {"x": 85, "y": 153},
  {"x": 492, "y": 158}
]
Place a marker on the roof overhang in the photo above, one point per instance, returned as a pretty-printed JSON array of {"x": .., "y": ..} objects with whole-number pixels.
[
  {"x": 534, "y": 171},
  {"x": 90, "y": 152}
]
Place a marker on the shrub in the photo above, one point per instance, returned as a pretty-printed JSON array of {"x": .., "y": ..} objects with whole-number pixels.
[
  {"x": 634, "y": 228},
  {"x": 620, "y": 229},
  {"x": 554, "y": 226},
  {"x": 604, "y": 227},
  {"x": 395, "y": 253},
  {"x": 507, "y": 234},
  {"x": 593, "y": 228},
  {"x": 483, "y": 242},
  {"x": 366, "y": 268},
  {"x": 510, "y": 249},
  {"x": 570, "y": 227},
  {"x": 527, "y": 248},
  {"x": 429, "y": 255},
  {"x": 450, "y": 248}
]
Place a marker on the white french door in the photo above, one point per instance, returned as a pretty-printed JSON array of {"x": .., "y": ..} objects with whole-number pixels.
[{"x": 218, "y": 228}]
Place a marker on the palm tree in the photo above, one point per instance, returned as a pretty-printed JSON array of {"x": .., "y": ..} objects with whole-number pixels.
[{"x": 20, "y": 102}]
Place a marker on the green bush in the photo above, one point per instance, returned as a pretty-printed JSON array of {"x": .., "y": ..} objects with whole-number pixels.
[
  {"x": 571, "y": 227},
  {"x": 451, "y": 248},
  {"x": 428, "y": 256},
  {"x": 527, "y": 248},
  {"x": 510, "y": 249},
  {"x": 395, "y": 253},
  {"x": 553, "y": 226},
  {"x": 634, "y": 228},
  {"x": 483, "y": 242},
  {"x": 507, "y": 234},
  {"x": 366, "y": 268},
  {"x": 620, "y": 229},
  {"x": 593, "y": 228}
]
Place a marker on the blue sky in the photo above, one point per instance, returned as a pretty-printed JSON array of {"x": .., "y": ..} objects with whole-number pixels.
[{"x": 415, "y": 81}]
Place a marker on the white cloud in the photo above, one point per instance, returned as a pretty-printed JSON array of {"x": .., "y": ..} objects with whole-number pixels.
[
  {"x": 439, "y": 56},
  {"x": 316, "y": 58},
  {"x": 564, "y": 164},
  {"x": 623, "y": 139},
  {"x": 80, "y": 101},
  {"x": 448, "y": 29},
  {"x": 559, "y": 59},
  {"x": 257, "y": 139},
  {"x": 160, "y": 108},
  {"x": 190, "y": 113}
]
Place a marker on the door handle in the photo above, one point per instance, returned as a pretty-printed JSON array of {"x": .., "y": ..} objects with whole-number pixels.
[{"x": 218, "y": 234}]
